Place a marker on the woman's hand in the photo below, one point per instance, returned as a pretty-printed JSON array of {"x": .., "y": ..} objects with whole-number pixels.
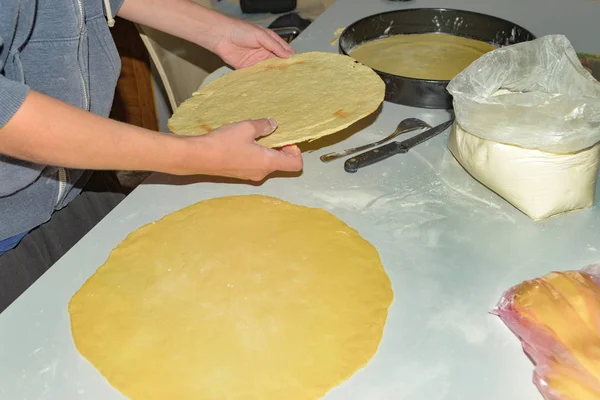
[
  {"x": 242, "y": 44},
  {"x": 232, "y": 151},
  {"x": 238, "y": 43}
]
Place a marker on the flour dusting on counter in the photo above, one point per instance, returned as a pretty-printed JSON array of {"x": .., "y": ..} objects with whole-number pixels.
[
  {"x": 460, "y": 318},
  {"x": 433, "y": 192}
]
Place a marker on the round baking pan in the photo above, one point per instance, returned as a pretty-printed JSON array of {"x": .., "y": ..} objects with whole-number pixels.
[{"x": 425, "y": 93}]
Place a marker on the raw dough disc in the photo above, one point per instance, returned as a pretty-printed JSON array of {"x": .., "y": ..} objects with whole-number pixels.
[
  {"x": 244, "y": 297},
  {"x": 310, "y": 95},
  {"x": 435, "y": 56}
]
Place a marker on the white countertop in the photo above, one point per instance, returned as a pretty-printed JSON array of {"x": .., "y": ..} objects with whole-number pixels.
[{"x": 450, "y": 246}]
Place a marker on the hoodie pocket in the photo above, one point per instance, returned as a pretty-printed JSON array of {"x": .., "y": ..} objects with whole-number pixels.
[
  {"x": 104, "y": 66},
  {"x": 53, "y": 68}
]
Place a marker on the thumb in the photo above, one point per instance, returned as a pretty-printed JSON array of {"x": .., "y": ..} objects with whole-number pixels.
[
  {"x": 292, "y": 150},
  {"x": 263, "y": 127}
]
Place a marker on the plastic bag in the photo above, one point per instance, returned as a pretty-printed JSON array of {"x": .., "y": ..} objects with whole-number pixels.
[
  {"x": 540, "y": 184},
  {"x": 557, "y": 319},
  {"x": 535, "y": 95}
]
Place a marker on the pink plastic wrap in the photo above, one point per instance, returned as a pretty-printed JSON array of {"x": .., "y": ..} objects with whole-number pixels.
[{"x": 557, "y": 319}]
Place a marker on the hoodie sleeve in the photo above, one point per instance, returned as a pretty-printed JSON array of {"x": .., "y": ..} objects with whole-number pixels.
[
  {"x": 12, "y": 94},
  {"x": 14, "y": 174}
]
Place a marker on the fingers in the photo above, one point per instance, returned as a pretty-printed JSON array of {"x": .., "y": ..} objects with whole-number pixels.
[
  {"x": 251, "y": 160},
  {"x": 292, "y": 150},
  {"x": 263, "y": 127},
  {"x": 254, "y": 129},
  {"x": 289, "y": 159},
  {"x": 288, "y": 47},
  {"x": 272, "y": 42}
]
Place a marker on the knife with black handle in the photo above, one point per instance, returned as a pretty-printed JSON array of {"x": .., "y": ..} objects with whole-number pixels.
[{"x": 381, "y": 153}]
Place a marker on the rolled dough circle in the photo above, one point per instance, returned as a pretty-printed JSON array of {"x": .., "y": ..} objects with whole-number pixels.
[{"x": 242, "y": 297}]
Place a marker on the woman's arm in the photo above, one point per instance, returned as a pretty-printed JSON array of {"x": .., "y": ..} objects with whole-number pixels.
[
  {"x": 181, "y": 18},
  {"x": 238, "y": 43},
  {"x": 51, "y": 132}
]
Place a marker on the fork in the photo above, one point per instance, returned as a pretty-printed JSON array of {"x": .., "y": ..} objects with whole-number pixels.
[{"x": 406, "y": 125}]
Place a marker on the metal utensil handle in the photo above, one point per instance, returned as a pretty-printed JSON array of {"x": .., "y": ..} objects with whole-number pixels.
[
  {"x": 372, "y": 156},
  {"x": 390, "y": 149},
  {"x": 288, "y": 33},
  {"x": 425, "y": 136},
  {"x": 335, "y": 155}
]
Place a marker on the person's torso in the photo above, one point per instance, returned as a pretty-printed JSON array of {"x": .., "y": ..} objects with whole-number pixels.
[{"x": 64, "y": 49}]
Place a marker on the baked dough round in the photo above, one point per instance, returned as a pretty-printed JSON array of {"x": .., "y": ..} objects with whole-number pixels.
[
  {"x": 242, "y": 297},
  {"x": 310, "y": 95}
]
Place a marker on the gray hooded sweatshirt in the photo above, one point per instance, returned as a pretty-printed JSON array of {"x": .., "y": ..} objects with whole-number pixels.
[{"x": 62, "y": 48}]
